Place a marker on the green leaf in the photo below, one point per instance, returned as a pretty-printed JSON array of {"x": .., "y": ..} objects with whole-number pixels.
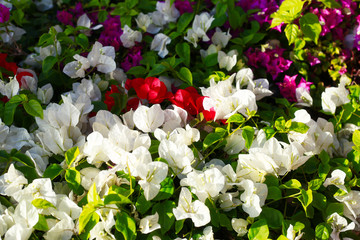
[
  {"x": 305, "y": 198},
  {"x": 322, "y": 231},
  {"x": 323, "y": 169},
  {"x": 186, "y": 76},
  {"x": 131, "y": 3},
  {"x": 184, "y": 20},
  {"x": 235, "y": 19},
  {"x": 315, "y": 184},
  {"x": 116, "y": 199},
  {"x": 126, "y": 225},
  {"x": 183, "y": 50},
  {"x": 18, "y": 98},
  {"x": 82, "y": 40},
  {"x": 291, "y": 32},
  {"x": 299, "y": 127},
  {"x": 33, "y": 108},
  {"x": 166, "y": 189},
  {"x": 334, "y": 207},
  {"x": 42, "y": 203},
  {"x": 53, "y": 171},
  {"x": 211, "y": 139},
  {"x": 23, "y": 158},
  {"x": 166, "y": 216},
  {"x": 273, "y": 216},
  {"x": 73, "y": 178},
  {"x": 211, "y": 60},
  {"x": 330, "y": 3},
  {"x": 319, "y": 201},
  {"x": 274, "y": 193},
  {"x": 280, "y": 124},
  {"x": 356, "y": 138},
  {"x": 142, "y": 205},
  {"x": 291, "y": 184},
  {"x": 248, "y": 134},
  {"x": 137, "y": 71},
  {"x": 93, "y": 196},
  {"x": 9, "y": 112},
  {"x": 157, "y": 70},
  {"x": 235, "y": 118},
  {"x": 85, "y": 216},
  {"x": 179, "y": 225},
  {"x": 48, "y": 63},
  {"x": 259, "y": 230},
  {"x": 71, "y": 155},
  {"x": 324, "y": 157},
  {"x": 310, "y": 26},
  {"x": 41, "y": 225}
]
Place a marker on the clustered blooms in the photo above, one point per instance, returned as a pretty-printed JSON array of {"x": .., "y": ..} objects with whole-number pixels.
[
  {"x": 179, "y": 140},
  {"x": 272, "y": 59}
]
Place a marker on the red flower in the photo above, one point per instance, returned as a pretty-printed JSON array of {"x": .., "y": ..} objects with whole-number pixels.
[
  {"x": 20, "y": 75},
  {"x": 188, "y": 99},
  {"x": 109, "y": 100},
  {"x": 10, "y": 66},
  {"x": 150, "y": 88},
  {"x": 132, "y": 103}
]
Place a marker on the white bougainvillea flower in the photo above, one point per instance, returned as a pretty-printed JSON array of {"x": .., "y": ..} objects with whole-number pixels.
[
  {"x": 152, "y": 174},
  {"x": 229, "y": 201},
  {"x": 212, "y": 49},
  {"x": 201, "y": 24},
  {"x": 9, "y": 89},
  {"x": 148, "y": 119},
  {"x": 335, "y": 96},
  {"x": 253, "y": 197},
  {"x": 192, "y": 37},
  {"x": 129, "y": 37},
  {"x": 205, "y": 184},
  {"x": 178, "y": 156},
  {"x": 159, "y": 44},
  {"x": 197, "y": 210},
  {"x": 12, "y": 181},
  {"x": 351, "y": 202},
  {"x": 208, "y": 234},
  {"x": 234, "y": 143},
  {"x": 102, "y": 230},
  {"x": 291, "y": 233},
  {"x": 149, "y": 223},
  {"x": 102, "y": 58},
  {"x": 143, "y": 21},
  {"x": 168, "y": 11},
  {"x": 45, "y": 93},
  {"x": 337, "y": 178},
  {"x": 221, "y": 38},
  {"x": 243, "y": 77},
  {"x": 240, "y": 226},
  {"x": 228, "y": 60},
  {"x": 94, "y": 149},
  {"x": 339, "y": 224},
  {"x": 76, "y": 69}
]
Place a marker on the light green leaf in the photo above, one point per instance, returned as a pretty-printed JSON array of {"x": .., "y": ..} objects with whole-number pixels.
[
  {"x": 330, "y": 3},
  {"x": 42, "y": 203},
  {"x": 93, "y": 196},
  {"x": 116, "y": 199},
  {"x": 73, "y": 177},
  {"x": 235, "y": 118},
  {"x": 259, "y": 230},
  {"x": 291, "y": 32},
  {"x": 33, "y": 108},
  {"x": 41, "y": 225},
  {"x": 248, "y": 134},
  {"x": 71, "y": 155},
  {"x": 291, "y": 184},
  {"x": 299, "y": 127},
  {"x": 356, "y": 138},
  {"x": 85, "y": 216}
]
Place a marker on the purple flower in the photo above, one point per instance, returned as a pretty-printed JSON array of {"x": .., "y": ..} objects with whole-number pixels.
[
  {"x": 184, "y": 6},
  {"x": 266, "y": 8},
  {"x": 65, "y": 17},
  {"x": 288, "y": 87},
  {"x": 313, "y": 60},
  {"x": 4, "y": 14},
  {"x": 132, "y": 59},
  {"x": 328, "y": 18},
  {"x": 110, "y": 36}
]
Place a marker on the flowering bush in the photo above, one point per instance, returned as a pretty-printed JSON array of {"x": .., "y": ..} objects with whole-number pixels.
[{"x": 179, "y": 119}]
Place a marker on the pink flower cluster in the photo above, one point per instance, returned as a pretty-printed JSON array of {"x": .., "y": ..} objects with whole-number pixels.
[
  {"x": 272, "y": 59},
  {"x": 288, "y": 87},
  {"x": 110, "y": 36}
]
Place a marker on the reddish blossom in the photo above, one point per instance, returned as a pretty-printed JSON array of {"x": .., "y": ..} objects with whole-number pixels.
[
  {"x": 65, "y": 17},
  {"x": 188, "y": 99},
  {"x": 10, "y": 66},
  {"x": 109, "y": 100}
]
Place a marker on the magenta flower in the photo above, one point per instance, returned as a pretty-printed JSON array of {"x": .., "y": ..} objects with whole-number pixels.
[
  {"x": 288, "y": 87},
  {"x": 328, "y": 18},
  {"x": 184, "y": 6},
  {"x": 4, "y": 14},
  {"x": 313, "y": 60},
  {"x": 266, "y": 8},
  {"x": 65, "y": 17},
  {"x": 110, "y": 36},
  {"x": 132, "y": 59}
]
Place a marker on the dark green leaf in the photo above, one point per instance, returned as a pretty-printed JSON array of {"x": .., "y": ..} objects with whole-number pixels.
[
  {"x": 211, "y": 139},
  {"x": 183, "y": 50},
  {"x": 53, "y": 171},
  {"x": 186, "y": 76},
  {"x": 142, "y": 205},
  {"x": 9, "y": 112},
  {"x": 211, "y": 60},
  {"x": 166, "y": 216},
  {"x": 273, "y": 216},
  {"x": 184, "y": 20},
  {"x": 166, "y": 189},
  {"x": 248, "y": 134},
  {"x": 82, "y": 40},
  {"x": 126, "y": 225},
  {"x": 310, "y": 26}
]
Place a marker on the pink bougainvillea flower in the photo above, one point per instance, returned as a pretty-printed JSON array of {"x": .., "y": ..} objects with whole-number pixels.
[
  {"x": 288, "y": 87},
  {"x": 4, "y": 14},
  {"x": 65, "y": 17}
]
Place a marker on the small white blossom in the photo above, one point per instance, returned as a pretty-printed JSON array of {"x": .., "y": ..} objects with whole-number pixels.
[
  {"x": 129, "y": 37},
  {"x": 159, "y": 44}
]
